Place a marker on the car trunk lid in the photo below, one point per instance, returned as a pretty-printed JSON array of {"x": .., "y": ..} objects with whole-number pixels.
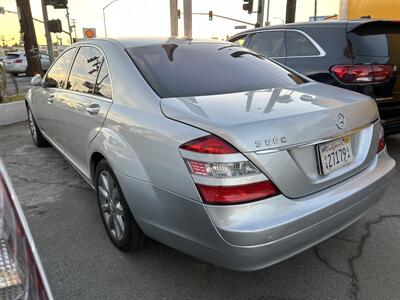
[{"x": 279, "y": 127}]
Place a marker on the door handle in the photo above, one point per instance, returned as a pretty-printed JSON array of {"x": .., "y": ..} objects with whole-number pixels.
[
  {"x": 51, "y": 99},
  {"x": 93, "y": 109}
]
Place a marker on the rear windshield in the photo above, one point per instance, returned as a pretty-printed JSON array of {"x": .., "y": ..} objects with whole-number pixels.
[
  {"x": 376, "y": 39},
  {"x": 12, "y": 56},
  {"x": 197, "y": 69}
]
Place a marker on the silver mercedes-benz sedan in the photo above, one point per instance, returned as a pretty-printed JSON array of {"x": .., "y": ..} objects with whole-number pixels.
[{"x": 210, "y": 148}]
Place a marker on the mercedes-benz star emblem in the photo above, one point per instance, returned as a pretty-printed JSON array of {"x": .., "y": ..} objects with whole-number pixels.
[{"x": 340, "y": 121}]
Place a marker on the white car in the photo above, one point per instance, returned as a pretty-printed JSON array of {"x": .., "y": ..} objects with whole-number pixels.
[{"x": 15, "y": 62}]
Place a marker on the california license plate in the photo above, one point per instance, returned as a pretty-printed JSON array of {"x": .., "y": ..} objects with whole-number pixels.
[{"x": 335, "y": 154}]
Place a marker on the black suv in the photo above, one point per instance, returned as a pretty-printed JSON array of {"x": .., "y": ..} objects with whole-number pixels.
[{"x": 361, "y": 55}]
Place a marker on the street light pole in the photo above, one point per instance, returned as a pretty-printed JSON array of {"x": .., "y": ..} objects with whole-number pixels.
[{"x": 104, "y": 16}]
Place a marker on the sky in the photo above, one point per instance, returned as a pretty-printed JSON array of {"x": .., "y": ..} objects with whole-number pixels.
[{"x": 151, "y": 17}]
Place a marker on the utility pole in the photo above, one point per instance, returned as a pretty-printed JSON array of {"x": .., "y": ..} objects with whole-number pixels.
[
  {"x": 268, "y": 12},
  {"x": 290, "y": 11},
  {"x": 29, "y": 37},
  {"x": 343, "y": 9},
  {"x": 187, "y": 17},
  {"x": 69, "y": 27},
  {"x": 173, "y": 16},
  {"x": 315, "y": 10},
  {"x": 73, "y": 21},
  {"x": 47, "y": 32},
  {"x": 260, "y": 13}
]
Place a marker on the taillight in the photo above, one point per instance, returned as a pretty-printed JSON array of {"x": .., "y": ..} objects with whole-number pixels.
[
  {"x": 363, "y": 73},
  {"x": 222, "y": 174},
  {"x": 18, "y": 61},
  {"x": 381, "y": 145},
  {"x": 20, "y": 275}
]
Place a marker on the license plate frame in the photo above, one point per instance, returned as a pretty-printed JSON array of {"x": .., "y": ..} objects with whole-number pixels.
[{"x": 329, "y": 159}]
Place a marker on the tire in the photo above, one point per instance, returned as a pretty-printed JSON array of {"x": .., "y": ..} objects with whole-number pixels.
[
  {"x": 36, "y": 134},
  {"x": 115, "y": 211}
]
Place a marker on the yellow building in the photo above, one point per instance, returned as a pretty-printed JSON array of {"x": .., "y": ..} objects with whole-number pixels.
[{"x": 377, "y": 9}]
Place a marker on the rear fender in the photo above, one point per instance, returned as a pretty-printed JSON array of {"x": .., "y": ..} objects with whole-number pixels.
[{"x": 119, "y": 154}]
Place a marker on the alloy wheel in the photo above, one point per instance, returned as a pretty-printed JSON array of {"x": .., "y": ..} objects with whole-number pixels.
[
  {"x": 110, "y": 204},
  {"x": 32, "y": 125}
]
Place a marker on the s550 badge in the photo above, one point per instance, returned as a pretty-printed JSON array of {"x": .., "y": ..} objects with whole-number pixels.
[{"x": 275, "y": 141}]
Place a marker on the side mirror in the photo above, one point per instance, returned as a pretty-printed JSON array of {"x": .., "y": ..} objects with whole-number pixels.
[{"x": 36, "y": 80}]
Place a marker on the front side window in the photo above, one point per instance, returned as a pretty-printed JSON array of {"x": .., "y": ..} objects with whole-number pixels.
[
  {"x": 198, "y": 69},
  {"x": 239, "y": 40},
  {"x": 268, "y": 43},
  {"x": 56, "y": 75},
  {"x": 85, "y": 69},
  {"x": 103, "y": 84},
  {"x": 297, "y": 44}
]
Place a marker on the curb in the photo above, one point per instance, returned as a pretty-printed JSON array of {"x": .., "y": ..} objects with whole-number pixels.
[{"x": 11, "y": 113}]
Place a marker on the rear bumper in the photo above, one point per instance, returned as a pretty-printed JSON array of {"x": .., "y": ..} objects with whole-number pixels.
[
  {"x": 15, "y": 68},
  {"x": 266, "y": 232},
  {"x": 254, "y": 235}
]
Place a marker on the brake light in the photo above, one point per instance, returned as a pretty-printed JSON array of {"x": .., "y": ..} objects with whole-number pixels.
[
  {"x": 20, "y": 275},
  {"x": 209, "y": 144},
  {"x": 18, "y": 61},
  {"x": 222, "y": 174},
  {"x": 363, "y": 73},
  {"x": 381, "y": 145}
]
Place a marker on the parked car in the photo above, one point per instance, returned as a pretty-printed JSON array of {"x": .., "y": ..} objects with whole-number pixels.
[
  {"x": 21, "y": 272},
  {"x": 209, "y": 147},
  {"x": 15, "y": 63},
  {"x": 361, "y": 55}
]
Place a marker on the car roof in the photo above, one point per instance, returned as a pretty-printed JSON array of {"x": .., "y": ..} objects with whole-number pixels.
[
  {"x": 319, "y": 24},
  {"x": 132, "y": 42}
]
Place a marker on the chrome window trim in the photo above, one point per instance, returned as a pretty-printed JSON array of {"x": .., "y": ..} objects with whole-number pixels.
[
  {"x": 321, "y": 51},
  {"x": 317, "y": 141}
]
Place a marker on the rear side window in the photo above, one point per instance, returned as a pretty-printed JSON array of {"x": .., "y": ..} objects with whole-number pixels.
[
  {"x": 84, "y": 70},
  {"x": 297, "y": 44},
  {"x": 376, "y": 39},
  {"x": 56, "y": 75},
  {"x": 196, "y": 69},
  {"x": 103, "y": 84},
  {"x": 268, "y": 43}
]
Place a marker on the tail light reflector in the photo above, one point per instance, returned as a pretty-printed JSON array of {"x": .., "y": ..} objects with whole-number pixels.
[
  {"x": 381, "y": 145},
  {"x": 222, "y": 174},
  {"x": 18, "y": 61},
  {"x": 363, "y": 73},
  {"x": 20, "y": 275}
]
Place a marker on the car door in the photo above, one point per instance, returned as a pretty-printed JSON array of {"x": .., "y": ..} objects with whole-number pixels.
[
  {"x": 303, "y": 53},
  {"x": 82, "y": 107},
  {"x": 43, "y": 97},
  {"x": 270, "y": 43}
]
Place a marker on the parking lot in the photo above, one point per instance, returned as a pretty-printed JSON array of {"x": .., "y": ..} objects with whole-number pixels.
[{"x": 362, "y": 262}]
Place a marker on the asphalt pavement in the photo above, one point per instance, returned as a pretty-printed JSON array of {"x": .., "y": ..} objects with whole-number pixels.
[{"x": 361, "y": 262}]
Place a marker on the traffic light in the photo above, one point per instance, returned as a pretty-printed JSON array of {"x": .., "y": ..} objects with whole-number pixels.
[
  {"x": 54, "y": 25},
  {"x": 179, "y": 13},
  {"x": 210, "y": 15},
  {"x": 248, "y": 5},
  {"x": 57, "y": 4}
]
